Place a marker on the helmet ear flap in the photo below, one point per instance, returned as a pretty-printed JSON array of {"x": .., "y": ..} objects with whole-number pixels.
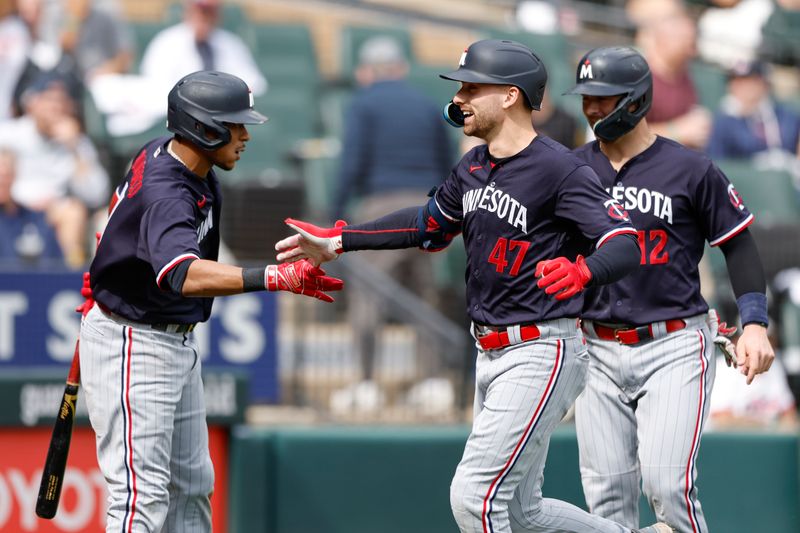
[
  {"x": 221, "y": 135},
  {"x": 207, "y": 134},
  {"x": 622, "y": 120}
]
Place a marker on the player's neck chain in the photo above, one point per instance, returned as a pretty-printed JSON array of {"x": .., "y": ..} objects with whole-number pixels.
[{"x": 171, "y": 152}]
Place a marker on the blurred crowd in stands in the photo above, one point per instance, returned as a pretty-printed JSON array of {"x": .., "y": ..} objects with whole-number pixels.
[{"x": 81, "y": 84}]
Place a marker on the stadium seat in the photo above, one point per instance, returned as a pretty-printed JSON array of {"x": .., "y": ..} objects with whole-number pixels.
[
  {"x": 770, "y": 194},
  {"x": 781, "y": 38},
  {"x": 710, "y": 82},
  {"x": 285, "y": 52}
]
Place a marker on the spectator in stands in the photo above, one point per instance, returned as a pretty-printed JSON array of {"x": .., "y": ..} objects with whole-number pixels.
[
  {"x": 25, "y": 236},
  {"x": 15, "y": 41},
  {"x": 553, "y": 121},
  {"x": 667, "y": 38},
  {"x": 730, "y": 30},
  {"x": 766, "y": 403},
  {"x": 43, "y": 21},
  {"x": 198, "y": 43},
  {"x": 749, "y": 123},
  {"x": 395, "y": 150},
  {"x": 58, "y": 168},
  {"x": 99, "y": 41}
]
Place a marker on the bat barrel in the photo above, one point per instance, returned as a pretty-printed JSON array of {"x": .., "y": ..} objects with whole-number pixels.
[{"x": 56, "y": 462}]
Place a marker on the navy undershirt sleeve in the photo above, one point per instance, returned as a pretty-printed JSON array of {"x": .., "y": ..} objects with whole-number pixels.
[
  {"x": 175, "y": 278},
  {"x": 744, "y": 264},
  {"x": 618, "y": 257},
  {"x": 393, "y": 231}
]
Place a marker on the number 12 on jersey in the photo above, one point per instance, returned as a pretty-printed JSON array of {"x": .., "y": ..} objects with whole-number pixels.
[
  {"x": 505, "y": 247},
  {"x": 652, "y": 242}
]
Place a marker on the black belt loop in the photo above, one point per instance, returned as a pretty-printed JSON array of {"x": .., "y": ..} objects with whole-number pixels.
[{"x": 644, "y": 333}]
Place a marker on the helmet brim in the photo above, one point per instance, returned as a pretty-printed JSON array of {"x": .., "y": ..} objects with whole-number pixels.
[
  {"x": 245, "y": 116},
  {"x": 596, "y": 88},
  {"x": 471, "y": 76}
]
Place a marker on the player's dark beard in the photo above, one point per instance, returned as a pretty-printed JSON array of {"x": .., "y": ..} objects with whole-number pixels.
[{"x": 478, "y": 127}]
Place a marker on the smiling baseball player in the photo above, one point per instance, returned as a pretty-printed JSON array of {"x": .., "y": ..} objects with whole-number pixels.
[
  {"x": 527, "y": 210},
  {"x": 640, "y": 419}
]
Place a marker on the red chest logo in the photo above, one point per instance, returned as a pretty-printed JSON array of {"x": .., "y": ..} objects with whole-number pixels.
[
  {"x": 201, "y": 203},
  {"x": 137, "y": 174}
]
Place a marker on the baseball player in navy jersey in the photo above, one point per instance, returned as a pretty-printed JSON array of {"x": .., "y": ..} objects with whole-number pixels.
[
  {"x": 154, "y": 277},
  {"x": 527, "y": 209},
  {"x": 651, "y": 340}
]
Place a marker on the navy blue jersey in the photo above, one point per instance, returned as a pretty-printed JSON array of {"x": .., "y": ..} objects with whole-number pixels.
[
  {"x": 161, "y": 215},
  {"x": 539, "y": 204},
  {"x": 677, "y": 199}
]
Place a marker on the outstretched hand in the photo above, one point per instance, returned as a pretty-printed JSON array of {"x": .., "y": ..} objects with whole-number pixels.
[
  {"x": 562, "y": 277},
  {"x": 302, "y": 277},
  {"x": 311, "y": 242}
]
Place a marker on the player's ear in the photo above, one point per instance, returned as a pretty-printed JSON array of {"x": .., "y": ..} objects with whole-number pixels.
[{"x": 513, "y": 93}]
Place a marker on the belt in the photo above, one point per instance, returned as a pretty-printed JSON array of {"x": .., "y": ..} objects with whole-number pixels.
[
  {"x": 507, "y": 336},
  {"x": 173, "y": 328},
  {"x": 166, "y": 328},
  {"x": 636, "y": 335}
]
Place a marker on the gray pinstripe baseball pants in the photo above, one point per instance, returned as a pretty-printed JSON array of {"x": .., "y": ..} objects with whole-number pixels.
[
  {"x": 145, "y": 400},
  {"x": 639, "y": 422},
  {"x": 521, "y": 394}
]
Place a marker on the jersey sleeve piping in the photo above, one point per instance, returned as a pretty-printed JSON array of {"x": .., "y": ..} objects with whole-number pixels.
[
  {"x": 613, "y": 233},
  {"x": 172, "y": 264},
  {"x": 445, "y": 213},
  {"x": 374, "y": 232},
  {"x": 733, "y": 232}
]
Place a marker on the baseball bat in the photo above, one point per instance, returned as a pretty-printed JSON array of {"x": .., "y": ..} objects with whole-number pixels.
[{"x": 56, "y": 462}]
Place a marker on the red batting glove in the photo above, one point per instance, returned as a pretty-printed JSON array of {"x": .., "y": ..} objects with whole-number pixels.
[
  {"x": 301, "y": 277},
  {"x": 88, "y": 299},
  {"x": 562, "y": 277},
  {"x": 311, "y": 242}
]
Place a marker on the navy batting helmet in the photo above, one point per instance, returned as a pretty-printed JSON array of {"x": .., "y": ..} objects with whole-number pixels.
[
  {"x": 202, "y": 102},
  {"x": 503, "y": 63},
  {"x": 612, "y": 71}
]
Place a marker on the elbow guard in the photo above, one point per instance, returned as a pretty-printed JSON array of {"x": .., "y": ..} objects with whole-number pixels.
[{"x": 436, "y": 230}]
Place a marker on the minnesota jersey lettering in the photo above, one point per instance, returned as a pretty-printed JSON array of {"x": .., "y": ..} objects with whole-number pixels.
[
  {"x": 496, "y": 201},
  {"x": 643, "y": 200},
  {"x": 513, "y": 214},
  {"x": 666, "y": 190},
  {"x": 206, "y": 224}
]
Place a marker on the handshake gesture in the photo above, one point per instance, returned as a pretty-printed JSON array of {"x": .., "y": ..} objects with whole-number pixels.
[
  {"x": 311, "y": 242},
  {"x": 301, "y": 277},
  {"x": 303, "y": 253}
]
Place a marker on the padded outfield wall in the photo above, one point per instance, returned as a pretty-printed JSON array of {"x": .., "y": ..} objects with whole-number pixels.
[{"x": 396, "y": 479}]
